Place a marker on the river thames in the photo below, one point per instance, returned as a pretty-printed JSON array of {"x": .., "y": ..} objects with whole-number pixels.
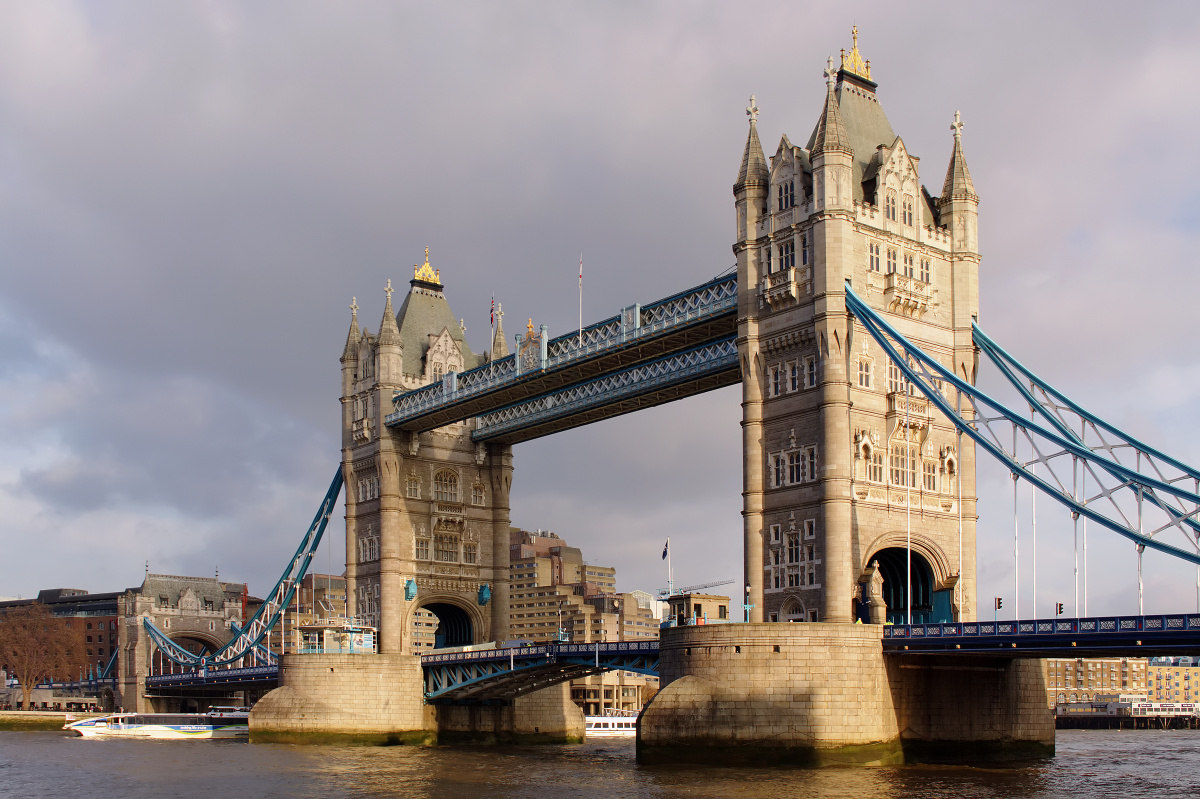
[{"x": 1090, "y": 763}]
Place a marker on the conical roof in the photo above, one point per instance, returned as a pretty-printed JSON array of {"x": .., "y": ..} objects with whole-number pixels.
[
  {"x": 754, "y": 164},
  {"x": 388, "y": 332},
  {"x": 830, "y": 135},
  {"x": 958, "y": 185},
  {"x": 350, "y": 351}
]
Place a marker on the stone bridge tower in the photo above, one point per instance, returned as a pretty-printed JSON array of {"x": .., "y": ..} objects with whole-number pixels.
[
  {"x": 841, "y": 466},
  {"x": 427, "y": 514}
]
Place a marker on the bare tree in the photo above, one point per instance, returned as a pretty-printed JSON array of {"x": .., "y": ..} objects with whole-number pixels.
[{"x": 38, "y": 646}]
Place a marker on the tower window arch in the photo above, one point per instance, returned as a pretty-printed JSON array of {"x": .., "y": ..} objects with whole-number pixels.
[
  {"x": 889, "y": 206},
  {"x": 445, "y": 487},
  {"x": 908, "y": 211}
]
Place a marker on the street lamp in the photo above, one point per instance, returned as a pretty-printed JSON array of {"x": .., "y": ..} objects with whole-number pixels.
[{"x": 746, "y": 605}]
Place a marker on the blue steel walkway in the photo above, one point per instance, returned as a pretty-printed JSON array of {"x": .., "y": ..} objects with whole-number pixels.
[
  {"x": 1106, "y": 636},
  {"x": 501, "y": 675},
  {"x": 646, "y": 355}
]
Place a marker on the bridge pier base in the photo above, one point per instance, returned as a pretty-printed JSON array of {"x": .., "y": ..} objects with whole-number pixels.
[
  {"x": 345, "y": 698},
  {"x": 824, "y": 694}
]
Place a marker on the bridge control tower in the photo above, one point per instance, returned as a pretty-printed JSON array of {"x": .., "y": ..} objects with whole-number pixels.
[
  {"x": 427, "y": 513},
  {"x": 843, "y": 463}
]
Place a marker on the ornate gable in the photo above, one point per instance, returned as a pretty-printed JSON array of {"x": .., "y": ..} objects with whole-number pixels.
[{"x": 443, "y": 355}]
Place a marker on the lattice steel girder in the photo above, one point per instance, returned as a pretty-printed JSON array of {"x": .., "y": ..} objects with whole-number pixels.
[
  {"x": 997, "y": 429},
  {"x": 684, "y": 374},
  {"x": 504, "y": 674},
  {"x": 442, "y": 410}
]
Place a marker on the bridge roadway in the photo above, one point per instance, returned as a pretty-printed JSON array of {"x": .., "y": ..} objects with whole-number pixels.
[
  {"x": 645, "y": 356},
  {"x": 485, "y": 676},
  {"x": 1102, "y": 636},
  {"x": 501, "y": 675}
]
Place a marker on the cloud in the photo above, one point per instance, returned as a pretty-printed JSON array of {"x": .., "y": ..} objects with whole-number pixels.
[{"x": 190, "y": 195}]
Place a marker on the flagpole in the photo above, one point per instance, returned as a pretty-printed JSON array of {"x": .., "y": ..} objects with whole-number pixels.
[
  {"x": 581, "y": 301},
  {"x": 670, "y": 574}
]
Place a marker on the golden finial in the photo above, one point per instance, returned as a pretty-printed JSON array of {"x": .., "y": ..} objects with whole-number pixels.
[
  {"x": 531, "y": 326},
  {"x": 426, "y": 272},
  {"x": 852, "y": 62}
]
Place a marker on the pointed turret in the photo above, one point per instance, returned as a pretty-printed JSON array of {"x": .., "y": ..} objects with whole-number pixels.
[
  {"x": 390, "y": 349},
  {"x": 754, "y": 164},
  {"x": 958, "y": 185},
  {"x": 350, "y": 351},
  {"x": 349, "y": 357},
  {"x": 831, "y": 133},
  {"x": 958, "y": 207},
  {"x": 499, "y": 345}
]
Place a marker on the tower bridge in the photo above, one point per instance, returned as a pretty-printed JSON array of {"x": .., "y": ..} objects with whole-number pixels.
[{"x": 851, "y": 324}]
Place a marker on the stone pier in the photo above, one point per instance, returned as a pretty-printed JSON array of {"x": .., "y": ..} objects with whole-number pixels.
[
  {"x": 824, "y": 694},
  {"x": 379, "y": 699}
]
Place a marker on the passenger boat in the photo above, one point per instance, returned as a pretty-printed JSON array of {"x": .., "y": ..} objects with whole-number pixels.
[
  {"x": 619, "y": 724},
  {"x": 223, "y": 722}
]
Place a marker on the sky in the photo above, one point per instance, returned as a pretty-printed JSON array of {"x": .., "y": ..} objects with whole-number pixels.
[{"x": 192, "y": 193}]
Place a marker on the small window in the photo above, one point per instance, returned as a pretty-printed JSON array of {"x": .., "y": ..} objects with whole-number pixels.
[
  {"x": 873, "y": 250},
  {"x": 422, "y": 549},
  {"x": 787, "y": 255},
  {"x": 778, "y": 459},
  {"x": 794, "y": 467},
  {"x": 810, "y": 372},
  {"x": 929, "y": 476},
  {"x": 469, "y": 551},
  {"x": 909, "y": 260},
  {"x": 875, "y": 467},
  {"x": 908, "y": 211},
  {"x": 413, "y": 488},
  {"x": 777, "y": 378},
  {"x": 794, "y": 372},
  {"x": 891, "y": 260},
  {"x": 477, "y": 495},
  {"x": 775, "y": 532},
  {"x": 864, "y": 374},
  {"x": 793, "y": 548},
  {"x": 810, "y": 530},
  {"x": 925, "y": 270},
  {"x": 895, "y": 379},
  {"x": 889, "y": 206}
]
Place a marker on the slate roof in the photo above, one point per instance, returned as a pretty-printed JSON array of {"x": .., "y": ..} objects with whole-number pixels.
[
  {"x": 754, "y": 165},
  {"x": 866, "y": 127},
  {"x": 958, "y": 183},
  {"x": 425, "y": 311}
]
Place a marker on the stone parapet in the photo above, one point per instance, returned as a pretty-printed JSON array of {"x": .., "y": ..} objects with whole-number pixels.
[{"x": 824, "y": 694}]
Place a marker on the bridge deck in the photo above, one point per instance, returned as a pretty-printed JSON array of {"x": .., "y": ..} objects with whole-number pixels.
[
  {"x": 501, "y": 675},
  {"x": 1107, "y": 636}
]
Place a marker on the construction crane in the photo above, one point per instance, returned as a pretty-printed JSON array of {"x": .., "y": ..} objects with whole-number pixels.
[{"x": 665, "y": 592}]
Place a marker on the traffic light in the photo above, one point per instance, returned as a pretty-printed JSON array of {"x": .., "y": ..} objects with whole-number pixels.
[
  {"x": 999, "y": 602},
  {"x": 1060, "y": 609}
]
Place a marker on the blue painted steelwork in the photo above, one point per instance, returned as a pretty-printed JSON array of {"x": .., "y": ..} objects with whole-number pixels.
[
  {"x": 491, "y": 675},
  {"x": 1137, "y": 636},
  {"x": 682, "y": 367},
  {"x": 267, "y": 617},
  {"x": 635, "y": 324},
  {"x": 215, "y": 676},
  {"x": 1050, "y": 447}
]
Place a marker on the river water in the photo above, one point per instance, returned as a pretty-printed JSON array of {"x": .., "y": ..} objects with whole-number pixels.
[{"x": 1091, "y": 763}]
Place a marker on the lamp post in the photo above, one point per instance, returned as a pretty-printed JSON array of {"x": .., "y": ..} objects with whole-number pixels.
[{"x": 746, "y": 605}]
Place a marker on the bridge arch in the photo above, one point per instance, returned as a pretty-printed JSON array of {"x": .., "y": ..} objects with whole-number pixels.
[
  {"x": 459, "y": 622},
  {"x": 932, "y": 599}
]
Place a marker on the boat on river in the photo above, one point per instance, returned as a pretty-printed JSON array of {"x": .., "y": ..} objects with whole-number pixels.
[
  {"x": 613, "y": 724},
  {"x": 219, "y": 722}
]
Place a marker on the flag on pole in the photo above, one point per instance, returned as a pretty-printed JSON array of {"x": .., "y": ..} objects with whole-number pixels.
[
  {"x": 493, "y": 316},
  {"x": 666, "y": 547},
  {"x": 581, "y": 270}
]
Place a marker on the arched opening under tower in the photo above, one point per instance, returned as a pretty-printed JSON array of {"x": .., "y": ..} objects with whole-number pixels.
[
  {"x": 454, "y": 626},
  {"x": 929, "y": 606}
]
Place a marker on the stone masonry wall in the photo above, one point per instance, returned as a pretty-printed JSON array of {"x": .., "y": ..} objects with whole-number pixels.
[{"x": 373, "y": 697}]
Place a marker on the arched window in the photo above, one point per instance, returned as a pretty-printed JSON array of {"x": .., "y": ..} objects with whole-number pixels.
[
  {"x": 908, "y": 211},
  {"x": 445, "y": 487},
  {"x": 889, "y": 206}
]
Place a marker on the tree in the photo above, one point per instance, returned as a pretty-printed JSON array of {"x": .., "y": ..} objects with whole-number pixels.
[{"x": 37, "y": 646}]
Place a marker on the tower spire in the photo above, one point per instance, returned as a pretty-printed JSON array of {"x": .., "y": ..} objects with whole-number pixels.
[
  {"x": 388, "y": 332},
  {"x": 499, "y": 345},
  {"x": 754, "y": 165},
  {"x": 958, "y": 185},
  {"x": 831, "y": 133},
  {"x": 350, "y": 352}
]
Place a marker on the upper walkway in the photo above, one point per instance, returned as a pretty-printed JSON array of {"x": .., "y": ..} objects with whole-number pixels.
[{"x": 646, "y": 355}]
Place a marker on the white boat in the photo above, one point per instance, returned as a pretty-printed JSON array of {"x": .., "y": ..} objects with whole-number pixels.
[
  {"x": 225, "y": 722},
  {"x": 620, "y": 724}
]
